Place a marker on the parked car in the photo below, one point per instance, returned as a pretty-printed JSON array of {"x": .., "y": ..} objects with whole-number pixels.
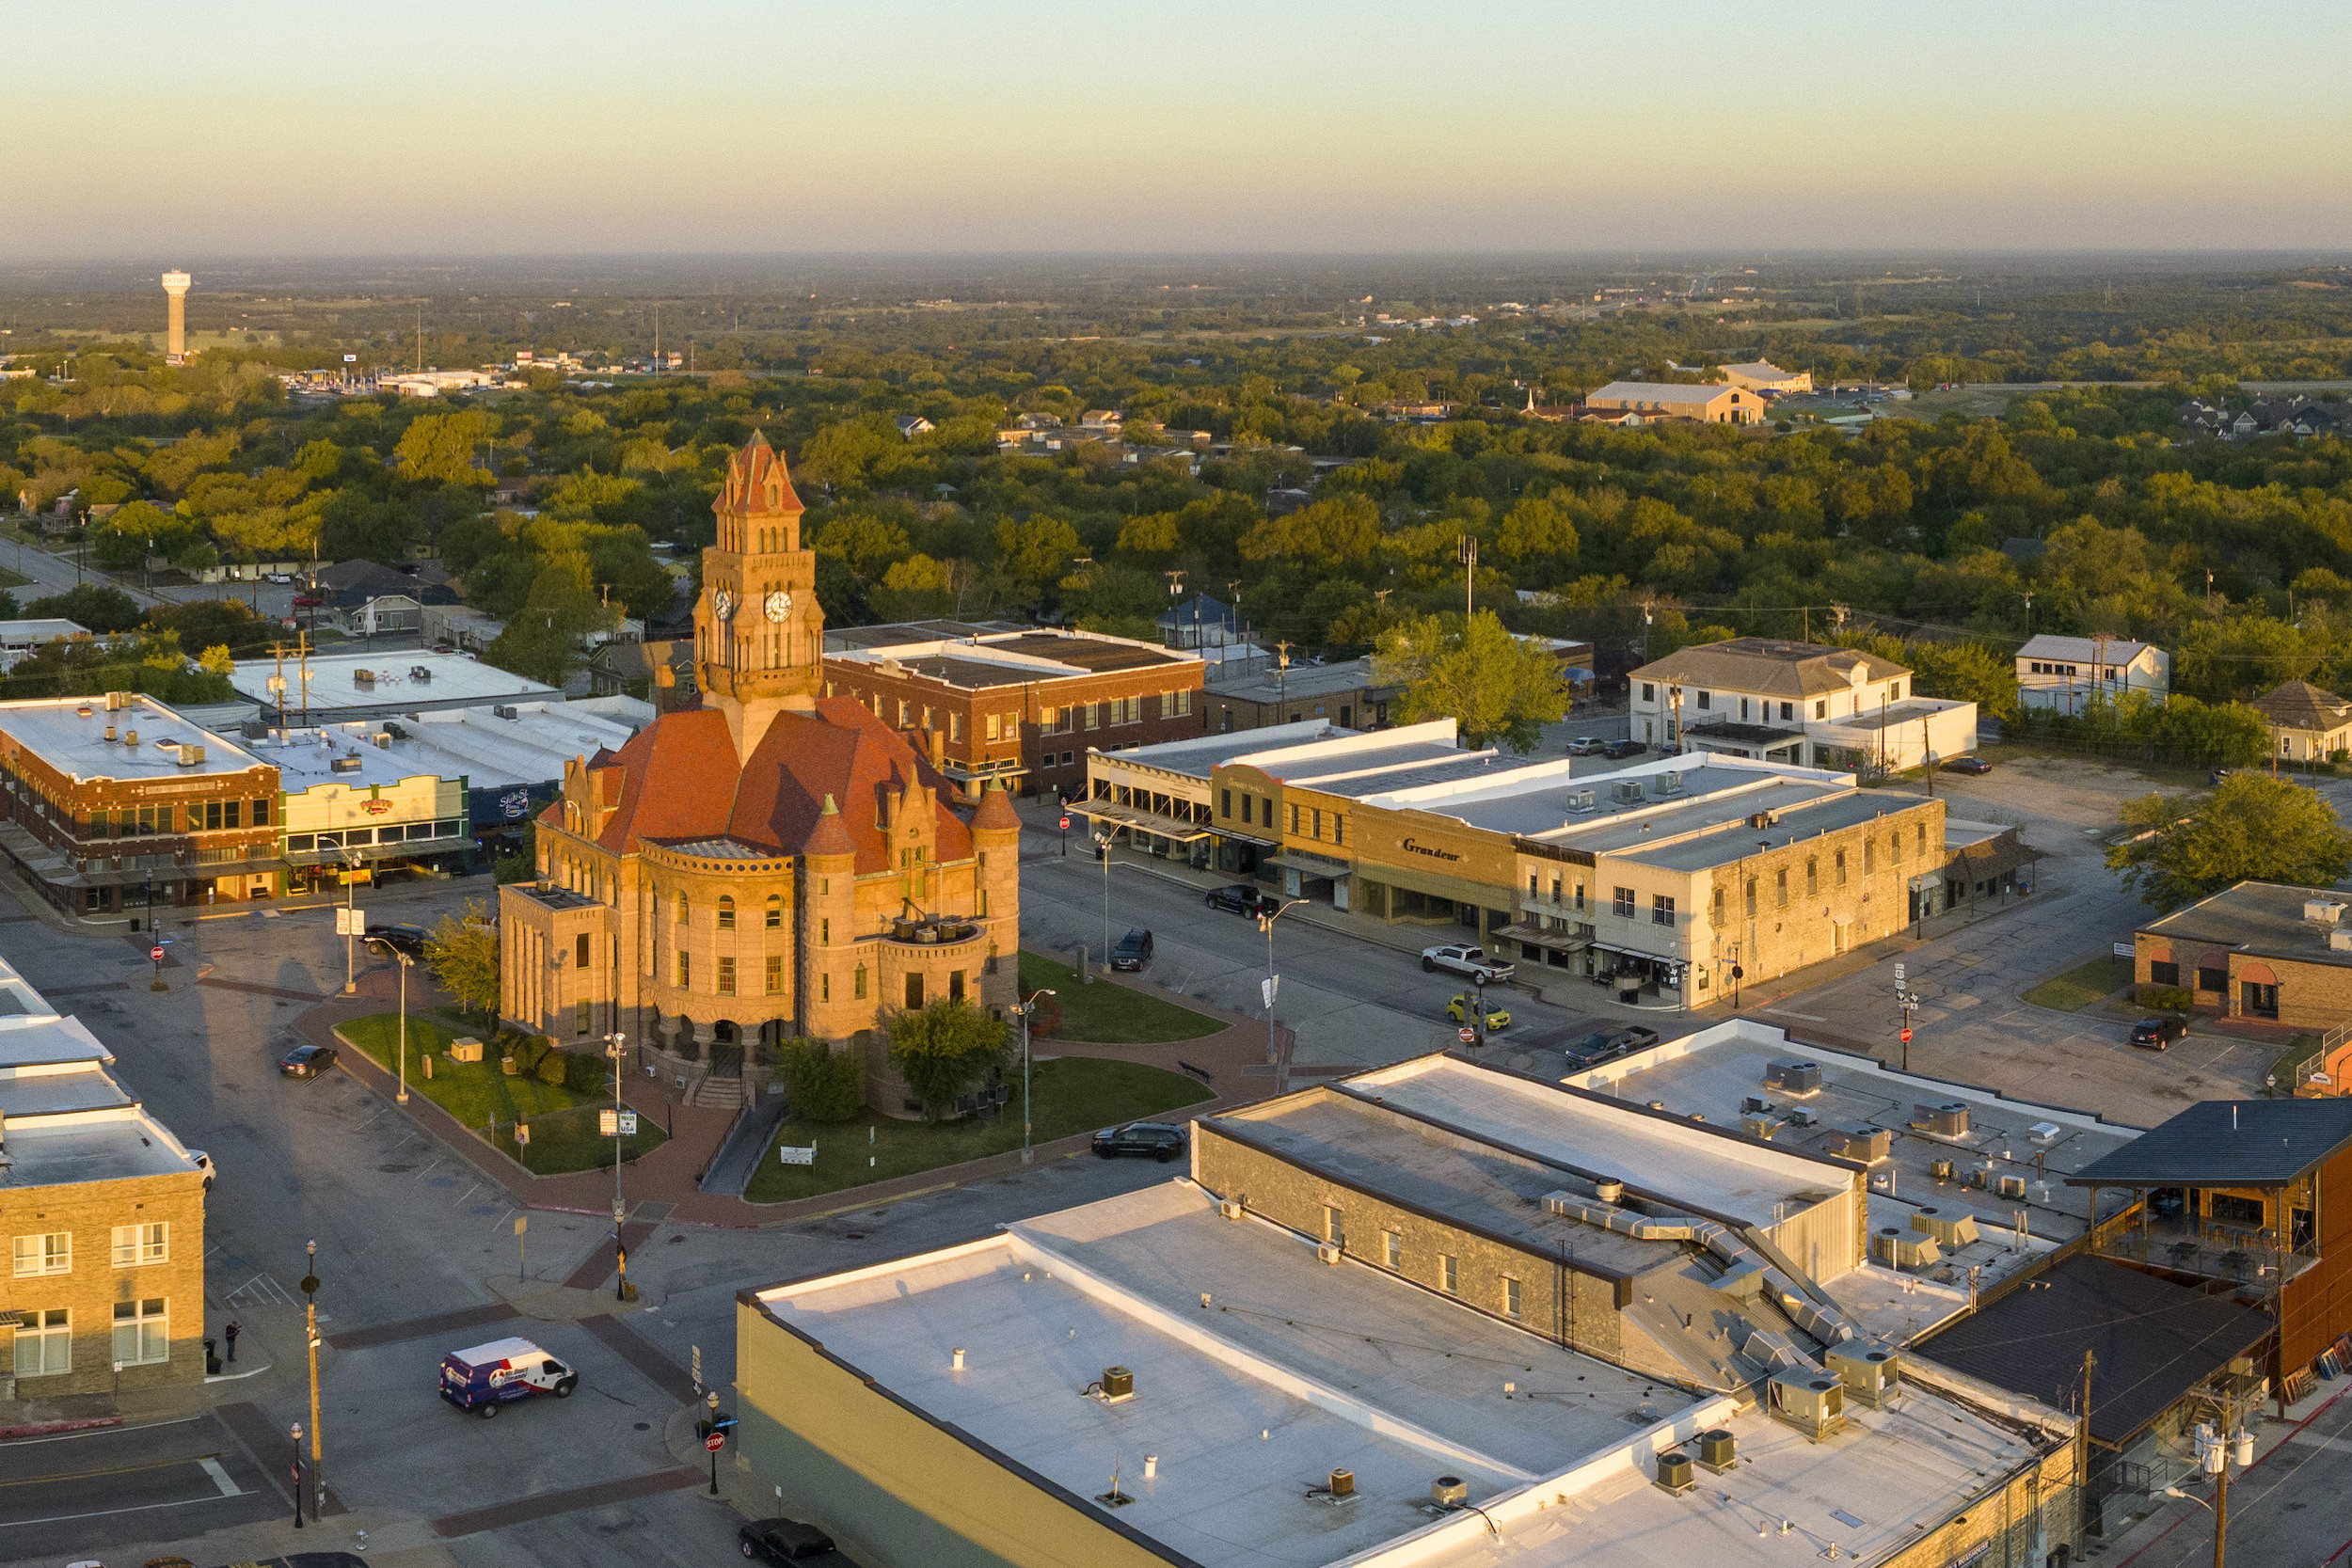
[
  {"x": 1456, "y": 957},
  {"x": 482, "y": 1379},
  {"x": 1586, "y": 746},
  {"x": 306, "y": 1061},
  {"x": 308, "y": 601},
  {"x": 1607, "y": 1045},
  {"x": 1132, "y": 952},
  {"x": 1160, "y": 1140},
  {"x": 2155, "y": 1033},
  {"x": 1617, "y": 751},
  {"x": 1973, "y": 767},
  {"x": 1463, "y": 1005},
  {"x": 204, "y": 1163},
  {"x": 789, "y": 1541},
  {"x": 396, "y": 939},
  {"x": 280, "y": 577},
  {"x": 1240, "y": 897}
]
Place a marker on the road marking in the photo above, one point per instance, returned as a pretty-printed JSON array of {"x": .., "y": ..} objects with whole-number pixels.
[
  {"x": 265, "y": 1290},
  {"x": 2314, "y": 1440},
  {"x": 1784, "y": 1012},
  {"x": 101, "y": 1431},
  {"x": 109, "y": 1513},
  {"x": 220, "y": 1477}
]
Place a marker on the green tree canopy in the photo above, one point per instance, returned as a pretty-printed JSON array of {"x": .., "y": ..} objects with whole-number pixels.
[
  {"x": 463, "y": 951},
  {"x": 944, "y": 1048},
  {"x": 2252, "y": 827},
  {"x": 1494, "y": 686}
]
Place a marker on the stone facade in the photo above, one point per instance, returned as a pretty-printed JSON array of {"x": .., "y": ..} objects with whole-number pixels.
[{"x": 87, "y": 1278}]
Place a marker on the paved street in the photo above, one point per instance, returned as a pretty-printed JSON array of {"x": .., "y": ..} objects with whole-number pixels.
[
  {"x": 2286, "y": 1512},
  {"x": 77, "y": 1492}
]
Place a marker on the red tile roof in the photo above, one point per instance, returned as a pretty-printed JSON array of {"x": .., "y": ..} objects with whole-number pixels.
[{"x": 748, "y": 474}]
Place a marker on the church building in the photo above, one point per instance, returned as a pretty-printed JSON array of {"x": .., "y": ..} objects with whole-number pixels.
[{"x": 772, "y": 865}]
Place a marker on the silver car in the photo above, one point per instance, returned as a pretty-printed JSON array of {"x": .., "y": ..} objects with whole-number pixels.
[{"x": 1465, "y": 959}]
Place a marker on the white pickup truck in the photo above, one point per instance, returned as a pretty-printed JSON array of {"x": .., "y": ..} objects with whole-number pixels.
[{"x": 1465, "y": 959}]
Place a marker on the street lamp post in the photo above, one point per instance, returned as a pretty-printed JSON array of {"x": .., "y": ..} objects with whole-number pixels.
[
  {"x": 714, "y": 1453},
  {"x": 620, "y": 1253},
  {"x": 311, "y": 1315},
  {"x": 351, "y": 889},
  {"x": 1265, "y": 923},
  {"x": 1102, "y": 842},
  {"x": 293, "y": 1434},
  {"x": 1027, "y": 1007},
  {"x": 406, "y": 963}
]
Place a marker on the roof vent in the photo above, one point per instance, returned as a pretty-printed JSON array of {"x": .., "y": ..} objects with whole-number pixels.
[
  {"x": 130, "y": 737},
  {"x": 1947, "y": 1120},
  {"x": 1674, "y": 1473},
  {"x": 1449, "y": 1492},
  {"x": 191, "y": 756},
  {"x": 84, "y": 712},
  {"x": 1608, "y": 1189},
  {"x": 110, "y": 730}
]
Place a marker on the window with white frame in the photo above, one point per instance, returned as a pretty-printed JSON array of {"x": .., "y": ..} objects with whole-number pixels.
[
  {"x": 1391, "y": 1248},
  {"x": 49, "y": 1253},
  {"x": 1510, "y": 1297},
  {"x": 142, "y": 1332},
  {"x": 139, "y": 1245},
  {"x": 44, "y": 1342},
  {"x": 1446, "y": 1276}
]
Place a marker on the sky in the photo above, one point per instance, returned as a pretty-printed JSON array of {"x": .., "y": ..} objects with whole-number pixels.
[{"x": 238, "y": 128}]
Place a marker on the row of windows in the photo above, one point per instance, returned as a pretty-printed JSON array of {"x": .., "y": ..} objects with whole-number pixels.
[
  {"x": 147, "y": 821},
  {"x": 1761, "y": 707},
  {"x": 297, "y": 844},
  {"x": 52, "y": 1251},
  {"x": 1449, "y": 1266},
  {"x": 2163, "y": 974},
  {"x": 44, "y": 1338},
  {"x": 773, "y": 973},
  {"x": 1622, "y": 903},
  {"x": 726, "y": 911}
]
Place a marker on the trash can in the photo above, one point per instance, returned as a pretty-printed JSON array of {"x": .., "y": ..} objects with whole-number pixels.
[
  {"x": 212, "y": 1361},
  {"x": 1629, "y": 996}
]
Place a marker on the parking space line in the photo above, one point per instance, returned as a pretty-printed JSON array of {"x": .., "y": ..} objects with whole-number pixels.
[{"x": 211, "y": 1467}]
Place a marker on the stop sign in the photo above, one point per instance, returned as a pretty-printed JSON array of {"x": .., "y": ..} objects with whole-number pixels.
[
  {"x": 716, "y": 1441},
  {"x": 1065, "y": 824},
  {"x": 1906, "y": 1036},
  {"x": 156, "y": 954},
  {"x": 1468, "y": 1036}
]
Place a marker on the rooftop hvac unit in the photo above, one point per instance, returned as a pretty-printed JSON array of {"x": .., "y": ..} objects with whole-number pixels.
[
  {"x": 1228, "y": 1207},
  {"x": 2013, "y": 1186},
  {"x": 1796, "y": 1078},
  {"x": 1979, "y": 1177},
  {"x": 1117, "y": 1383},
  {"x": 1580, "y": 801},
  {"x": 1449, "y": 1492},
  {"x": 1341, "y": 1485},
  {"x": 364, "y": 678},
  {"x": 2326, "y": 911},
  {"x": 1719, "y": 1451},
  {"x": 1669, "y": 784},
  {"x": 1760, "y": 1128},
  {"x": 504, "y": 711},
  {"x": 1626, "y": 789},
  {"x": 191, "y": 755},
  {"x": 2340, "y": 940},
  {"x": 1755, "y": 1105},
  {"x": 1947, "y": 1120},
  {"x": 1940, "y": 1169},
  {"x": 1951, "y": 1227},
  {"x": 2044, "y": 1132},
  {"x": 1674, "y": 1473},
  {"x": 1869, "y": 1145},
  {"x": 117, "y": 699},
  {"x": 1328, "y": 1251},
  {"x": 1896, "y": 1248},
  {"x": 1869, "y": 1371},
  {"x": 383, "y": 741},
  {"x": 1800, "y": 1116},
  {"x": 393, "y": 728},
  {"x": 1809, "y": 1400},
  {"x": 344, "y": 765},
  {"x": 420, "y": 671}
]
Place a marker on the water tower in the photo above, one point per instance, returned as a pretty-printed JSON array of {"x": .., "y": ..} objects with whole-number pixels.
[{"x": 176, "y": 285}]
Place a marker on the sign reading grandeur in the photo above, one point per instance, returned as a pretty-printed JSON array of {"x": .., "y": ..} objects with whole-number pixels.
[{"x": 1413, "y": 846}]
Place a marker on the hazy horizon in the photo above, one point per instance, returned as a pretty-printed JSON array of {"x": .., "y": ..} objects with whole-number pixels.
[{"x": 742, "y": 132}]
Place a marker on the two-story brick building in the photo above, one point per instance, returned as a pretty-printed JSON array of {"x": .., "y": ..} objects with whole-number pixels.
[
  {"x": 1021, "y": 707},
  {"x": 2258, "y": 950},
  {"x": 109, "y": 803}
]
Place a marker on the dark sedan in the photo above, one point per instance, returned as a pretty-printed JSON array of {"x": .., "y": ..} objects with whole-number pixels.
[
  {"x": 1973, "y": 767},
  {"x": 2155, "y": 1033},
  {"x": 1132, "y": 952},
  {"x": 789, "y": 1541},
  {"x": 1617, "y": 751},
  {"x": 396, "y": 939},
  {"x": 1608, "y": 1045},
  {"x": 1240, "y": 897},
  {"x": 306, "y": 1061},
  {"x": 1157, "y": 1140}
]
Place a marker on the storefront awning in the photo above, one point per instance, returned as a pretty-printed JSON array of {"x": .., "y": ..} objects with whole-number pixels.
[
  {"x": 1307, "y": 863},
  {"x": 1544, "y": 936},
  {"x": 1140, "y": 821}
]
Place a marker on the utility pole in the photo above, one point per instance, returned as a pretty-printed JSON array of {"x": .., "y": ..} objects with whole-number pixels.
[
  {"x": 1028, "y": 1006},
  {"x": 1265, "y": 923},
  {"x": 310, "y": 1316},
  {"x": 1470, "y": 580}
]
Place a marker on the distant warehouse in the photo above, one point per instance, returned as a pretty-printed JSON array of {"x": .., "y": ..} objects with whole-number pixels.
[{"x": 1661, "y": 399}]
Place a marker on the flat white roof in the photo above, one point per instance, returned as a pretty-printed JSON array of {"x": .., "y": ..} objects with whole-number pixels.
[
  {"x": 70, "y": 735},
  {"x": 305, "y": 758},
  {"x": 455, "y": 681},
  {"x": 27, "y": 634}
]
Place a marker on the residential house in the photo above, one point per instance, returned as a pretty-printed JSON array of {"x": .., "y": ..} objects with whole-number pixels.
[
  {"x": 1799, "y": 702},
  {"x": 366, "y": 599},
  {"x": 2305, "y": 723},
  {"x": 2068, "y": 673},
  {"x": 911, "y": 425},
  {"x": 1197, "y": 621}
]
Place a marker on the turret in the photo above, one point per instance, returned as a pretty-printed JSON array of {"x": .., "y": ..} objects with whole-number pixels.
[
  {"x": 830, "y": 1007},
  {"x": 996, "y": 843}
]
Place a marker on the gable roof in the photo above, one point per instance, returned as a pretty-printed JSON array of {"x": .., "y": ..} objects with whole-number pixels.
[
  {"x": 2301, "y": 706},
  {"x": 1668, "y": 392},
  {"x": 2228, "y": 1142},
  {"x": 2117, "y": 650},
  {"x": 1768, "y": 665}
]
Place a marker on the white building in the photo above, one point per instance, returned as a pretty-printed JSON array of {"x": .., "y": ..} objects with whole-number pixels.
[
  {"x": 1796, "y": 701},
  {"x": 2067, "y": 673}
]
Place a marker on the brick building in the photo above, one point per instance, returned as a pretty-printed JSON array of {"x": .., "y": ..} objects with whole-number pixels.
[
  {"x": 1017, "y": 704},
  {"x": 2259, "y": 950},
  {"x": 774, "y": 863},
  {"x": 108, "y": 803},
  {"x": 105, "y": 1210}
]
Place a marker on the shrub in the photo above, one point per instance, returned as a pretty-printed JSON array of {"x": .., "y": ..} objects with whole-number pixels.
[
  {"x": 555, "y": 1067},
  {"x": 2170, "y": 999},
  {"x": 944, "y": 1048},
  {"x": 824, "y": 1086},
  {"x": 526, "y": 1052},
  {"x": 582, "y": 1072}
]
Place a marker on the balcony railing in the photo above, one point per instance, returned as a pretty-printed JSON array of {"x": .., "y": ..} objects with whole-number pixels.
[{"x": 2248, "y": 1257}]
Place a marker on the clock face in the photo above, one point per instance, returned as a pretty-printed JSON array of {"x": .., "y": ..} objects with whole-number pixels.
[
  {"x": 779, "y": 605},
  {"x": 722, "y": 604}
]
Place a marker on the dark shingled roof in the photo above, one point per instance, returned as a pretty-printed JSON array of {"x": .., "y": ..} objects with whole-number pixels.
[
  {"x": 2227, "y": 1143},
  {"x": 2152, "y": 1341}
]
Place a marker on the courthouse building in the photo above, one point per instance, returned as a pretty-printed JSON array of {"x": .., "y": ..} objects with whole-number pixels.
[{"x": 773, "y": 864}]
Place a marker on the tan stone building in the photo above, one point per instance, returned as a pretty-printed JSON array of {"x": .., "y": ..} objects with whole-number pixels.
[
  {"x": 1710, "y": 405},
  {"x": 104, "y": 1211},
  {"x": 772, "y": 865}
]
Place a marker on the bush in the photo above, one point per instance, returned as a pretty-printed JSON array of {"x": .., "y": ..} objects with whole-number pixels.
[
  {"x": 944, "y": 1048},
  {"x": 582, "y": 1074},
  {"x": 555, "y": 1067},
  {"x": 2168, "y": 999},
  {"x": 528, "y": 1053},
  {"x": 824, "y": 1086}
]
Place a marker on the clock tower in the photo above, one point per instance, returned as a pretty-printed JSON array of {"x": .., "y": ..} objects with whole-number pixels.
[{"x": 759, "y": 634}]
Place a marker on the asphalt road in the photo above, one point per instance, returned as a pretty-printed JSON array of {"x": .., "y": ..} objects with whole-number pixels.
[
  {"x": 85, "y": 1491},
  {"x": 2287, "y": 1511}
]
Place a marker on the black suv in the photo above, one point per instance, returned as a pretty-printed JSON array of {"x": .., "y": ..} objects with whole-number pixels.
[
  {"x": 1617, "y": 751},
  {"x": 1240, "y": 897},
  {"x": 1157, "y": 1139},
  {"x": 789, "y": 1541},
  {"x": 1608, "y": 1045},
  {"x": 1132, "y": 952},
  {"x": 2154, "y": 1033},
  {"x": 396, "y": 939}
]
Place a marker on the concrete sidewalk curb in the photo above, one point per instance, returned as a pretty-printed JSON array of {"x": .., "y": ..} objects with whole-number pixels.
[{"x": 45, "y": 1429}]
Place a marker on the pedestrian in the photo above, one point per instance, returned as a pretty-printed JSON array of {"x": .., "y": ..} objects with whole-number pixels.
[{"x": 231, "y": 1333}]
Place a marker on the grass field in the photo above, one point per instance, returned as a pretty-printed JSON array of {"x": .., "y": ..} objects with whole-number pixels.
[
  {"x": 564, "y": 1136},
  {"x": 1075, "y": 1094},
  {"x": 1107, "y": 1014},
  {"x": 2082, "y": 984}
]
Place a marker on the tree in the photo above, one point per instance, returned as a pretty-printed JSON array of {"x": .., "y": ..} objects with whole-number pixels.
[
  {"x": 943, "y": 1049},
  {"x": 92, "y": 605},
  {"x": 437, "y": 449},
  {"x": 463, "y": 951},
  {"x": 2252, "y": 827},
  {"x": 1492, "y": 685}
]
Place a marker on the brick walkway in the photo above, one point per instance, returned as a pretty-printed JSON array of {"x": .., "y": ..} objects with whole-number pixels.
[{"x": 1231, "y": 1060}]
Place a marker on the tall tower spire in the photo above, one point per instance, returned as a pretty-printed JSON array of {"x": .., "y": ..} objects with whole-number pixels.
[
  {"x": 176, "y": 286},
  {"x": 758, "y": 631}
]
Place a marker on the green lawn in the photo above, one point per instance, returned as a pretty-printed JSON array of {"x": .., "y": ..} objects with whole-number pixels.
[
  {"x": 1075, "y": 1094},
  {"x": 2083, "y": 985},
  {"x": 564, "y": 1136},
  {"x": 1107, "y": 1014}
]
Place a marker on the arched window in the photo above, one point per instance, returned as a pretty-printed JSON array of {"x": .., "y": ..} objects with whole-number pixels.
[
  {"x": 859, "y": 991},
  {"x": 726, "y": 912},
  {"x": 681, "y": 909},
  {"x": 775, "y": 912}
]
